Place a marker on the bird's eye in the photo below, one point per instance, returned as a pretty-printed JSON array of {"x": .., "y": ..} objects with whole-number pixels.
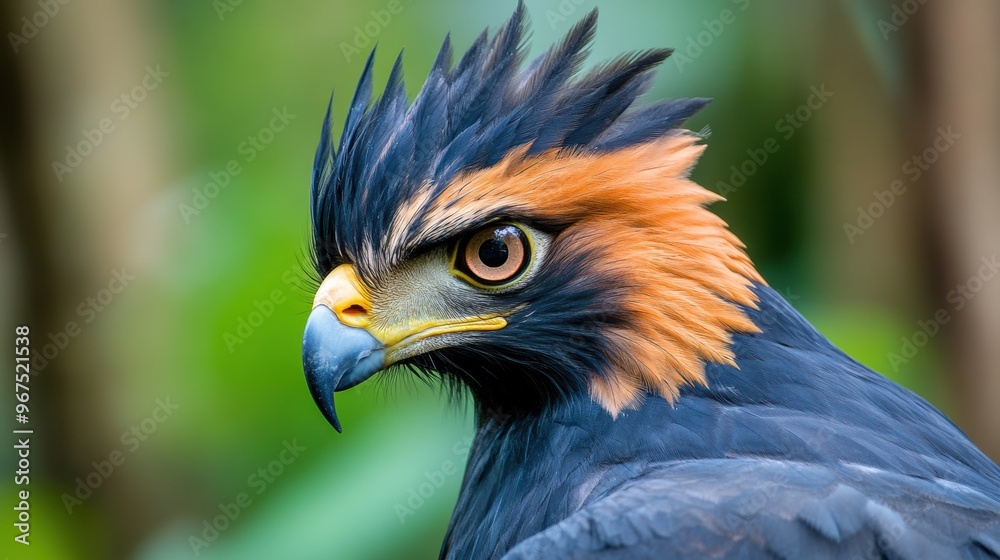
[{"x": 494, "y": 256}]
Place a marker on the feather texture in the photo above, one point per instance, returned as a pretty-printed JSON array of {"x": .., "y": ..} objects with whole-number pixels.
[{"x": 470, "y": 117}]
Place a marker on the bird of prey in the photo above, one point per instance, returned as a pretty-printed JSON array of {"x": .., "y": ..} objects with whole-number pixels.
[{"x": 528, "y": 233}]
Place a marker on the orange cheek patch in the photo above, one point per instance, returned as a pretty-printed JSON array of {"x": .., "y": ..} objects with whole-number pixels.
[{"x": 685, "y": 274}]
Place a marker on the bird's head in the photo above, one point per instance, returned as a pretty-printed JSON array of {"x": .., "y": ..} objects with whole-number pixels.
[{"x": 526, "y": 232}]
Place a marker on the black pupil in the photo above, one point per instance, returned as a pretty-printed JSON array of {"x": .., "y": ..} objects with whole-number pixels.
[{"x": 493, "y": 252}]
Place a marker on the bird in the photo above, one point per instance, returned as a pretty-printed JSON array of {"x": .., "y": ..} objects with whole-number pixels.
[{"x": 527, "y": 233}]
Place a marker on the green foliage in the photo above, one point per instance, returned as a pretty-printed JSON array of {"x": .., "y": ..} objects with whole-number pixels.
[{"x": 244, "y": 397}]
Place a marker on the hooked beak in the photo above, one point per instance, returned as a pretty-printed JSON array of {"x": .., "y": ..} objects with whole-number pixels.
[
  {"x": 342, "y": 345},
  {"x": 336, "y": 357}
]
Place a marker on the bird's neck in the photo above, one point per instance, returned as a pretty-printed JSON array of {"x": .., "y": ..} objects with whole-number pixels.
[
  {"x": 534, "y": 470},
  {"x": 794, "y": 396}
]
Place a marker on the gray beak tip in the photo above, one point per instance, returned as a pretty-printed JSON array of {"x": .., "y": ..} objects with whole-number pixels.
[{"x": 336, "y": 357}]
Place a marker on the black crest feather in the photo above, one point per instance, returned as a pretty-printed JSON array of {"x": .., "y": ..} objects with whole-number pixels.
[{"x": 469, "y": 117}]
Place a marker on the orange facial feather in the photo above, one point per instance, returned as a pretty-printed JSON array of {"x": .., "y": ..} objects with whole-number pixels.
[{"x": 683, "y": 274}]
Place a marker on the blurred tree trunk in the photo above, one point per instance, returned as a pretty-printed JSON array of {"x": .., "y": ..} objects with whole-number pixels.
[
  {"x": 961, "y": 39},
  {"x": 74, "y": 233},
  {"x": 936, "y": 235},
  {"x": 29, "y": 271}
]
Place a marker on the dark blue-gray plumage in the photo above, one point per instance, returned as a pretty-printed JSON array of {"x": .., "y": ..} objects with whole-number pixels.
[
  {"x": 469, "y": 117},
  {"x": 800, "y": 453},
  {"x": 778, "y": 445}
]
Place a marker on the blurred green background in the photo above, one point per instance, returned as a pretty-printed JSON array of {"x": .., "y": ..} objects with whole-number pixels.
[{"x": 196, "y": 192}]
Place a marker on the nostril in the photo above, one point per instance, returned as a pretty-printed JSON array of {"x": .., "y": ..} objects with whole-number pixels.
[
  {"x": 355, "y": 310},
  {"x": 354, "y": 314}
]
